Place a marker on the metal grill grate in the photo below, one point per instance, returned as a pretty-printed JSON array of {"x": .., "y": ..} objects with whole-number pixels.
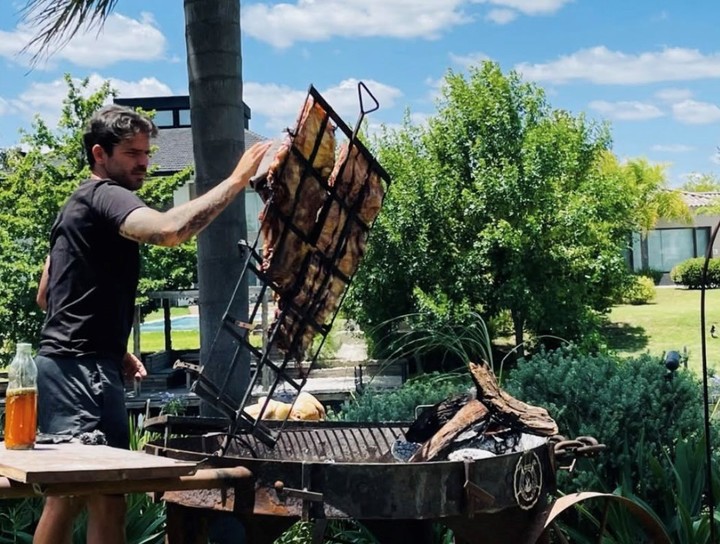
[{"x": 305, "y": 307}]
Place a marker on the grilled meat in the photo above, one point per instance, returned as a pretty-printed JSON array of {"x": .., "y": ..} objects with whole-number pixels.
[{"x": 314, "y": 225}]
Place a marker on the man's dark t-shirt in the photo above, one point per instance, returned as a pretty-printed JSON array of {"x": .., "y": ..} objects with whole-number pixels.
[{"x": 93, "y": 274}]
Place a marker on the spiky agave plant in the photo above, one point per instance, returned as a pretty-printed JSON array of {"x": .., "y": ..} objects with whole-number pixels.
[{"x": 416, "y": 334}]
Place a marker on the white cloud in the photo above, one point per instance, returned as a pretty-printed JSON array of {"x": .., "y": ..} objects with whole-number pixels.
[
  {"x": 121, "y": 39},
  {"x": 45, "y": 99},
  {"x": 626, "y": 110},
  {"x": 435, "y": 87},
  {"x": 5, "y": 106},
  {"x": 471, "y": 59},
  {"x": 528, "y": 7},
  {"x": 672, "y": 148},
  {"x": 281, "y": 104},
  {"x": 416, "y": 118},
  {"x": 508, "y": 10},
  {"x": 603, "y": 66},
  {"x": 284, "y": 24},
  {"x": 501, "y": 16},
  {"x": 420, "y": 118},
  {"x": 692, "y": 112},
  {"x": 673, "y": 95},
  {"x": 146, "y": 86}
]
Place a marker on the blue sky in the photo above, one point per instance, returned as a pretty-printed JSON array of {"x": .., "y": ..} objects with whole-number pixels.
[{"x": 649, "y": 67}]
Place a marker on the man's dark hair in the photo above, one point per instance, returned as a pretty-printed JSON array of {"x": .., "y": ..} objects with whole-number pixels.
[{"x": 112, "y": 124}]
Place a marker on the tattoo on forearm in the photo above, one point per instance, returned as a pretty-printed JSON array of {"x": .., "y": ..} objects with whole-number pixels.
[
  {"x": 199, "y": 221},
  {"x": 127, "y": 234},
  {"x": 183, "y": 222},
  {"x": 196, "y": 215}
]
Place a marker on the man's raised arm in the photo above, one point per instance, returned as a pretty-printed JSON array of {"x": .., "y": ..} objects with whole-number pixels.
[{"x": 179, "y": 224}]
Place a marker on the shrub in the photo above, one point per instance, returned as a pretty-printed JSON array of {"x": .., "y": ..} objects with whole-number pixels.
[
  {"x": 652, "y": 273},
  {"x": 689, "y": 273},
  {"x": 631, "y": 405},
  {"x": 400, "y": 404},
  {"x": 640, "y": 291}
]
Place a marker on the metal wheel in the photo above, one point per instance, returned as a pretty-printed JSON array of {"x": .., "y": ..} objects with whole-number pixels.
[{"x": 653, "y": 529}]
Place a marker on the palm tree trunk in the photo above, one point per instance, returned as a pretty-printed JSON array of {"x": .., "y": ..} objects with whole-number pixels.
[{"x": 212, "y": 32}]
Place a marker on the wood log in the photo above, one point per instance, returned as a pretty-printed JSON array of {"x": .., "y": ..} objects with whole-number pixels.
[
  {"x": 506, "y": 408},
  {"x": 440, "y": 427},
  {"x": 431, "y": 420},
  {"x": 470, "y": 414}
]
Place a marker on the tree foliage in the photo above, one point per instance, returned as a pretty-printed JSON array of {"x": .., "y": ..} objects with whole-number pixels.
[
  {"x": 35, "y": 181},
  {"x": 648, "y": 180},
  {"x": 702, "y": 183},
  {"x": 500, "y": 203}
]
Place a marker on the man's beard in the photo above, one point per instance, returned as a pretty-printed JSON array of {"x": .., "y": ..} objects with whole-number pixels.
[{"x": 130, "y": 181}]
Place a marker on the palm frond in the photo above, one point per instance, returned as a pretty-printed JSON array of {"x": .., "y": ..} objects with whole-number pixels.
[{"x": 57, "y": 21}]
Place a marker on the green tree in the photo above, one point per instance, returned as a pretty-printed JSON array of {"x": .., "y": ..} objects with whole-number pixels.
[
  {"x": 499, "y": 204},
  {"x": 705, "y": 183},
  {"x": 648, "y": 181},
  {"x": 702, "y": 183},
  {"x": 35, "y": 183}
]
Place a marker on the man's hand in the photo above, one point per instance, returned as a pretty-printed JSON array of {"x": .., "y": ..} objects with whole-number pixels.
[
  {"x": 248, "y": 164},
  {"x": 133, "y": 369}
]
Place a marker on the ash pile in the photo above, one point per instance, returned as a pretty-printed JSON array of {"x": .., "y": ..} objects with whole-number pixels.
[{"x": 484, "y": 423}]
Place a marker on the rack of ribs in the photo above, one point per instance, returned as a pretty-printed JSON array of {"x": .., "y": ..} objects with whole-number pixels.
[
  {"x": 315, "y": 224},
  {"x": 294, "y": 193}
]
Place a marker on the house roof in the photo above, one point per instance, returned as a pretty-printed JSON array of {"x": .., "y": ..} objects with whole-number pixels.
[
  {"x": 175, "y": 149},
  {"x": 697, "y": 200}
]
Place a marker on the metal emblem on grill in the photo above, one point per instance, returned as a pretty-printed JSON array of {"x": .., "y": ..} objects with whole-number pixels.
[{"x": 527, "y": 480}]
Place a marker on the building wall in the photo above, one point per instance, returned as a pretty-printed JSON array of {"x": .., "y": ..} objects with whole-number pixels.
[{"x": 708, "y": 221}]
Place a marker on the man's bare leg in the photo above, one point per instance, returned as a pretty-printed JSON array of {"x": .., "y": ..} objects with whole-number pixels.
[
  {"x": 56, "y": 522},
  {"x": 106, "y": 519}
]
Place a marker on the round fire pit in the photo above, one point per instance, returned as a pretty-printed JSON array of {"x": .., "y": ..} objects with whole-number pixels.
[{"x": 341, "y": 470}]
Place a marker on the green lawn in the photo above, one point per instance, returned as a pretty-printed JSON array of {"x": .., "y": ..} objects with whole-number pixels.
[
  {"x": 670, "y": 322},
  {"x": 151, "y": 342},
  {"x": 155, "y": 341}
]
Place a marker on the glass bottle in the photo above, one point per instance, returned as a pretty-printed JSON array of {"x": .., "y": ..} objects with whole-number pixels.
[{"x": 21, "y": 401}]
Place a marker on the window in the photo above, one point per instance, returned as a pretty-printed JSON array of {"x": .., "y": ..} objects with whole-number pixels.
[
  {"x": 184, "y": 118},
  {"x": 668, "y": 247},
  {"x": 163, "y": 118}
]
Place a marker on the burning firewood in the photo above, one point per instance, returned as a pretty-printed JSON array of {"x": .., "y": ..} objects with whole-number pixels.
[
  {"x": 472, "y": 414},
  {"x": 430, "y": 421},
  {"x": 491, "y": 420}
]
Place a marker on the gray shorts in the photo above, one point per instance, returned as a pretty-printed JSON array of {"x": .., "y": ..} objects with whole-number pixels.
[{"x": 82, "y": 395}]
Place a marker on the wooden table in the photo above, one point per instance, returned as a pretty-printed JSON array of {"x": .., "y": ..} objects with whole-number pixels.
[{"x": 76, "y": 469}]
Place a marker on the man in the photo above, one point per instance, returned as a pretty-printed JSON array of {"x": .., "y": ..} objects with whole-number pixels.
[{"x": 88, "y": 288}]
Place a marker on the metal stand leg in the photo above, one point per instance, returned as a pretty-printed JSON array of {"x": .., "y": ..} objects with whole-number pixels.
[
  {"x": 185, "y": 525},
  {"x": 401, "y": 530},
  {"x": 318, "y": 532}
]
